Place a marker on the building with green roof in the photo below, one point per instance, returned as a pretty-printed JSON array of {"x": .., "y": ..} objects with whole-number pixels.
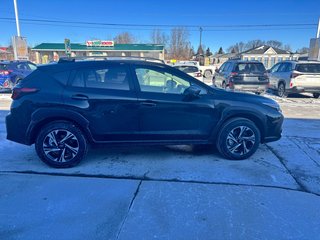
[{"x": 46, "y": 52}]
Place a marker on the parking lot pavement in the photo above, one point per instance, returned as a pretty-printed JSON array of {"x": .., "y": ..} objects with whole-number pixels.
[
  {"x": 204, "y": 211},
  {"x": 47, "y": 207}
]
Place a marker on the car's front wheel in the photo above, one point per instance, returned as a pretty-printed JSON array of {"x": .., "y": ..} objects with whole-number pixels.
[
  {"x": 238, "y": 139},
  {"x": 61, "y": 144}
]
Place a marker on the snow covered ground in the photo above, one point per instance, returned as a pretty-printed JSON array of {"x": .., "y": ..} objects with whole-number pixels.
[{"x": 172, "y": 192}]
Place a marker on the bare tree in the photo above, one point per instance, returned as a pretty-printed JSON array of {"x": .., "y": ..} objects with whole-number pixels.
[
  {"x": 124, "y": 38},
  {"x": 179, "y": 46},
  {"x": 286, "y": 47},
  {"x": 254, "y": 44},
  {"x": 274, "y": 43},
  {"x": 237, "y": 48},
  {"x": 158, "y": 37},
  {"x": 303, "y": 50}
]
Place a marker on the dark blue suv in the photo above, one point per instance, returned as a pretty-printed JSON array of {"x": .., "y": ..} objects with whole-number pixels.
[
  {"x": 11, "y": 72},
  {"x": 63, "y": 107}
]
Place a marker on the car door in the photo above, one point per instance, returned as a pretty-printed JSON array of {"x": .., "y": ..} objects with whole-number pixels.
[
  {"x": 274, "y": 76},
  {"x": 284, "y": 73},
  {"x": 219, "y": 76},
  {"x": 103, "y": 93},
  {"x": 164, "y": 111}
]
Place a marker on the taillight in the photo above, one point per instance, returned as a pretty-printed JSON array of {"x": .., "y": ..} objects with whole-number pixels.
[
  {"x": 233, "y": 74},
  {"x": 5, "y": 72},
  {"x": 294, "y": 75},
  {"x": 19, "y": 92},
  {"x": 291, "y": 84},
  {"x": 198, "y": 74}
]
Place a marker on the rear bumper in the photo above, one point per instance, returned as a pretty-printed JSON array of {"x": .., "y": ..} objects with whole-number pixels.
[
  {"x": 16, "y": 130},
  {"x": 303, "y": 89},
  {"x": 250, "y": 88}
]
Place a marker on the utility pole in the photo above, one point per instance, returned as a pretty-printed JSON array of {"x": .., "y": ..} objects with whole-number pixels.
[
  {"x": 201, "y": 36},
  {"x": 17, "y": 18},
  {"x": 318, "y": 32}
]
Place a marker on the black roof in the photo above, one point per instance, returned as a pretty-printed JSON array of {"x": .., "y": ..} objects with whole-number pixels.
[{"x": 64, "y": 65}]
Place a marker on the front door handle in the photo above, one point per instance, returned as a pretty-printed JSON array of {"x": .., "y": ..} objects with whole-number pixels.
[
  {"x": 148, "y": 104},
  {"x": 80, "y": 97}
]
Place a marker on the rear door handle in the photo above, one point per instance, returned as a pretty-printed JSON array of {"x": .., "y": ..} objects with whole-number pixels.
[
  {"x": 148, "y": 104},
  {"x": 80, "y": 97}
]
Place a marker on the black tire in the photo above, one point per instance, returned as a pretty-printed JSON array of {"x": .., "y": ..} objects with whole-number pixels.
[
  {"x": 282, "y": 90},
  {"x": 17, "y": 81},
  {"x": 316, "y": 95},
  {"x": 61, "y": 153},
  {"x": 225, "y": 145}
]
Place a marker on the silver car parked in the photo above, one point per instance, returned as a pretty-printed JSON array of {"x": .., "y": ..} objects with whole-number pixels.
[{"x": 295, "y": 77}]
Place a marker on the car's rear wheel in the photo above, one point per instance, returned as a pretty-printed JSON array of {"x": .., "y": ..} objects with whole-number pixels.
[
  {"x": 61, "y": 144},
  {"x": 316, "y": 95},
  {"x": 207, "y": 74},
  {"x": 238, "y": 139},
  {"x": 282, "y": 90}
]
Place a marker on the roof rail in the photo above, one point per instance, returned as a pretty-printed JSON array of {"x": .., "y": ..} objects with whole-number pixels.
[{"x": 73, "y": 59}]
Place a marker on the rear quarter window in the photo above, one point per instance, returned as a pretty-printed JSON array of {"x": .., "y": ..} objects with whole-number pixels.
[{"x": 308, "y": 68}]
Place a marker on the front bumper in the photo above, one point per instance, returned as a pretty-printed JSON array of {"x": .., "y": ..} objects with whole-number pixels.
[{"x": 273, "y": 131}]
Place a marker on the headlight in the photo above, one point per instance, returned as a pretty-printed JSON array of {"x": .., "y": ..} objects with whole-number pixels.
[{"x": 273, "y": 105}]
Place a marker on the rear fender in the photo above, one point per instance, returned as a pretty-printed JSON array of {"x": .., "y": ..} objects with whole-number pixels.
[{"x": 44, "y": 116}]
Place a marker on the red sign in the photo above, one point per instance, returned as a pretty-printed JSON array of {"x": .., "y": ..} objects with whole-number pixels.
[{"x": 100, "y": 43}]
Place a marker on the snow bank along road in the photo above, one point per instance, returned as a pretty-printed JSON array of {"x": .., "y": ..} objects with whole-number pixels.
[{"x": 168, "y": 192}]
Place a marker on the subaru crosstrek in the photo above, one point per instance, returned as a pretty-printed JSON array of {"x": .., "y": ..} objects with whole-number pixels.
[{"x": 63, "y": 107}]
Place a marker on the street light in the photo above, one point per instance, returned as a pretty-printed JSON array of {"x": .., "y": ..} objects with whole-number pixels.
[{"x": 17, "y": 18}]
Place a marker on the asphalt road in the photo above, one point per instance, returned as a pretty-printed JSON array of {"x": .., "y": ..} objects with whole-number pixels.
[{"x": 175, "y": 192}]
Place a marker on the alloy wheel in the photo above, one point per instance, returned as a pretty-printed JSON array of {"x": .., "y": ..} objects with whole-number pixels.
[
  {"x": 60, "y": 145},
  {"x": 240, "y": 140}
]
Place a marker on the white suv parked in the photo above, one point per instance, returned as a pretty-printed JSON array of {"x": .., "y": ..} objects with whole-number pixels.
[{"x": 295, "y": 77}]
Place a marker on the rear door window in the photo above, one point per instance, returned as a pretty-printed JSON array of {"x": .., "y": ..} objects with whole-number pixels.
[
  {"x": 308, "y": 68},
  {"x": 110, "y": 77}
]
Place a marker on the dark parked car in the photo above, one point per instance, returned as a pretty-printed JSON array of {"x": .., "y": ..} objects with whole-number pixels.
[
  {"x": 63, "y": 107},
  {"x": 11, "y": 72},
  {"x": 242, "y": 75}
]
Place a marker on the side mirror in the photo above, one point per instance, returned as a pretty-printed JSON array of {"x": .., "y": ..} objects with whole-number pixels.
[
  {"x": 217, "y": 70},
  {"x": 191, "y": 93}
]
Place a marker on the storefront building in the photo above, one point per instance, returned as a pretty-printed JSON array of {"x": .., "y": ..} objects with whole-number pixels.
[{"x": 47, "y": 52}]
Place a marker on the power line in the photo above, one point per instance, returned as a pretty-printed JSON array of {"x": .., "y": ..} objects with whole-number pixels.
[{"x": 289, "y": 25}]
